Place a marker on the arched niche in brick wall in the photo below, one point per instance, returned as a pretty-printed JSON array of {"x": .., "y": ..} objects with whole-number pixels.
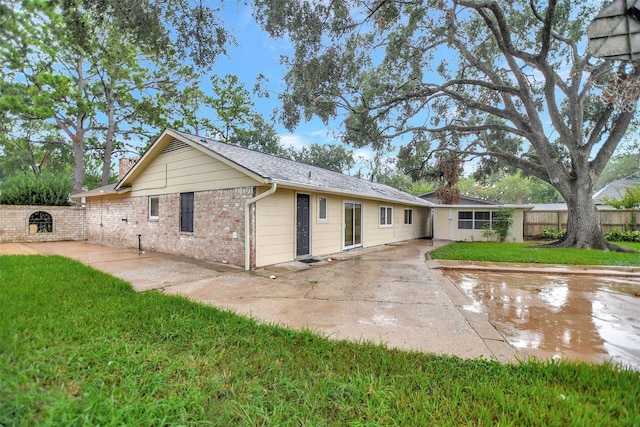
[{"x": 40, "y": 222}]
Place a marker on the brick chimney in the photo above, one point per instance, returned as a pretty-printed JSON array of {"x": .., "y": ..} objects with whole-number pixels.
[{"x": 126, "y": 163}]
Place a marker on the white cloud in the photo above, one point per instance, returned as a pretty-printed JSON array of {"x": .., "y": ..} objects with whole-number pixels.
[{"x": 294, "y": 141}]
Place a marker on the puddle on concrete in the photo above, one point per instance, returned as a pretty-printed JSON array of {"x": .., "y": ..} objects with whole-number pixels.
[{"x": 575, "y": 317}]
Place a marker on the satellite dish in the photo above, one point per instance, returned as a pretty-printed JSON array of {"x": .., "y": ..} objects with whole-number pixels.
[{"x": 615, "y": 33}]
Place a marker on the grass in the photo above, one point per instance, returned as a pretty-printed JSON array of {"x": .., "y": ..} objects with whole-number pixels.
[
  {"x": 532, "y": 253},
  {"x": 79, "y": 347}
]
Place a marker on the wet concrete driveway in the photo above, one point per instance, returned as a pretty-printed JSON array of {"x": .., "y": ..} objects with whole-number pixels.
[
  {"x": 583, "y": 317},
  {"x": 385, "y": 294}
]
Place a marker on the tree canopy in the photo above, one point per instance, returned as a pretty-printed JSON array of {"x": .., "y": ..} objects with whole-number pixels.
[
  {"x": 503, "y": 79},
  {"x": 101, "y": 70}
]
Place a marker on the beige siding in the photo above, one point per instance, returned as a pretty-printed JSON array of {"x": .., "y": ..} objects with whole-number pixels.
[
  {"x": 375, "y": 234},
  {"x": 187, "y": 169},
  {"x": 275, "y": 228},
  {"x": 445, "y": 225},
  {"x": 326, "y": 235}
]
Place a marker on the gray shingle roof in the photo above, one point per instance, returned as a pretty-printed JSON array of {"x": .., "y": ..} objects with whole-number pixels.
[
  {"x": 290, "y": 173},
  {"x": 616, "y": 189},
  {"x": 464, "y": 200}
]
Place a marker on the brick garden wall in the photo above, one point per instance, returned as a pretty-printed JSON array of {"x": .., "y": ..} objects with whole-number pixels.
[
  {"x": 67, "y": 224},
  {"x": 218, "y": 224}
]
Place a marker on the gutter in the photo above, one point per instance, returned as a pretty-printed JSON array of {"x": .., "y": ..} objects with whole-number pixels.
[{"x": 247, "y": 233}]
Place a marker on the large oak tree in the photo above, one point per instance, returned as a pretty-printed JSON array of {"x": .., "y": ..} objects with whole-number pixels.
[{"x": 478, "y": 70}]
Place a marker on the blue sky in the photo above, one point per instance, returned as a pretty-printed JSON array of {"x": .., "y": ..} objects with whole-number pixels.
[{"x": 257, "y": 53}]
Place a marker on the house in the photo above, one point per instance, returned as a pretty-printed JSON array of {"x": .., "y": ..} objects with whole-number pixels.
[
  {"x": 201, "y": 198},
  {"x": 615, "y": 190},
  {"x": 468, "y": 219}
]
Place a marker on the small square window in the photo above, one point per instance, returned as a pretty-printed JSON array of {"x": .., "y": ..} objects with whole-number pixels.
[
  {"x": 322, "y": 208},
  {"x": 386, "y": 215},
  {"x": 154, "y": 207},
  {"x": 408, "y": 216}
]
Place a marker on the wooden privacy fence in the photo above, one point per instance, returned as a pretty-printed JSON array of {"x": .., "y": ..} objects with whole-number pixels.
[{"x": 536, "y": 221}]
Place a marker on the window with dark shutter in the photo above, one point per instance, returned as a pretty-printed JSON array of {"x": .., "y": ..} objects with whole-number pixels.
[{"x": 186, "y": 212}]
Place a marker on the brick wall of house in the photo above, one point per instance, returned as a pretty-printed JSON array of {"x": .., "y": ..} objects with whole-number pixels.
[
  {"x": 218, "y": 224},
  {"x": 107, "y": 220},
  {"x": 67, "y": 224}
]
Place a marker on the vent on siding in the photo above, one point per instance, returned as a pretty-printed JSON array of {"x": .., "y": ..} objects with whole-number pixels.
[{"x": 174, "y": 145}]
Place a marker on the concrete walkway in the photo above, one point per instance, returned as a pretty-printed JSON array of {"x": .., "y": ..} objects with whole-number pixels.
[{"x": 386, "y": 294}]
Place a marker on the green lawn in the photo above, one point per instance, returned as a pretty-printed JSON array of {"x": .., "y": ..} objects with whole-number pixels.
[
  {"x": 79, "y": 347},
  {"x": 533, "y": 253}
]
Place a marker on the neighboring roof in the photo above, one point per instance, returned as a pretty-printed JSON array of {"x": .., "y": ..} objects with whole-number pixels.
[
  {"x": 430, "y": 196},
  {"x": 549, "y": 207},
  {"x": 271, "y": 169},
  {"x": 616, "y": 189}
]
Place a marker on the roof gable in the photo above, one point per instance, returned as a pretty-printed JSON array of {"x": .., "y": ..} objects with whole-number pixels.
[{"x": 616, "y": 189}]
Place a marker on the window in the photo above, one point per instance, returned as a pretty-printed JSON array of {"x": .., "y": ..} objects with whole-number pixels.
[
  {"x": 408, "y": 216},
  {"x": 386, "y": 215},
  {"x": 482, "y": 219},
  {"x": 322, "y": 208},
  {"x": 465, "y": 220},
  {"x": 154, "y": 203},
  {"x": 475, "y": 220},
  {"x": 186, "y": 212},
  {"x": 40, "y": 222}
]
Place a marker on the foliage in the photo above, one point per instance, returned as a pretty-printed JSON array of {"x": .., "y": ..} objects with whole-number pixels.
[
  {"x": 448, "y": 169},
  {"x": 630, "y": 199},
  {"x": 193, "y": 31},
  {"x": 228, "y": 114},
  {"x": 100, "y": 71},
  {"x": 500, "y": 226},
  {"x": 619, "y": 167},
  {"x": 503, "y": 219},
  {"x": 259, "y": 135},
  {"x": 535, "y": 253},
  {"x": 31, "y": 146},
  {"x": 332, "y": 157},
  {"x": 517, "y": 189},
  {"x": 485, "y": 78},
  {"x": 623, "y": 236},
  {"x": 45, "y": 189},
  {"x": 79, "y": 347},
  {"x": 551, "y": 233}
]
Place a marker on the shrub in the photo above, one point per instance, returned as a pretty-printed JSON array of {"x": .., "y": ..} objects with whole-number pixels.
[
  {"x": 550, "y": 233},
  {"x": 623, "y": 236},
  {"x": 502, "y": 221},
  {"x": 43, "y": 190},
  {"x": 629, "y": 200}
]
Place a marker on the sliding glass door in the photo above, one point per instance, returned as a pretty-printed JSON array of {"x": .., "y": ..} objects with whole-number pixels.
[{"x": 352, "y": 224}]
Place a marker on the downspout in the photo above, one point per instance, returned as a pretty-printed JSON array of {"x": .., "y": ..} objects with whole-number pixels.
[{"x": 247, "y": 223}]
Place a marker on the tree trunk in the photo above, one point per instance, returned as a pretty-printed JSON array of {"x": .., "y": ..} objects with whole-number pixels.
[
  {"x": 584, "y": 229},
  {"x": 78, "y": 163},
  {"x": 108, "y": 144}
]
